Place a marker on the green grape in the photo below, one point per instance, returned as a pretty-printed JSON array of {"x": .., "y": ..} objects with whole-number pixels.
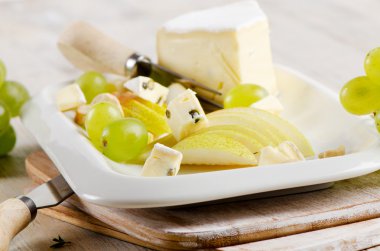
[
  {"x": 372, "y": 65},
  {"x": 360, "y": 96},
  {"x": 244, "y": 95},
  {"x": 3, "y": 72},
  {"x": 13, "y": 95},
  {"x": 7, "y": 141},
  {"x": 100, "y": 115},
  {"x": 5, "y": 117},
  {"x": 376, "y": 117},
  {"x": 124, "y": 139},
  {"x": 92, "y": 83}
]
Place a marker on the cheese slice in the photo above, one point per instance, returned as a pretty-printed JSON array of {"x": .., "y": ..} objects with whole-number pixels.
[
  {"x": 162, "y": 161},
  {"x": 220, "y": 47}
]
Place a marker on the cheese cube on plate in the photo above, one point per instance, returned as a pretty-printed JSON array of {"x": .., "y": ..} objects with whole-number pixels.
[
  {"x": 185, "y": 115},
  {"x": 285, "y": 152},
  {"x": 146, "y": 88},
  {"x": 174, "y": 90},
  {"x": 162, "y": 161},
  {"x": 70, "y": 97},
  {"x": 220, "y": 47}
]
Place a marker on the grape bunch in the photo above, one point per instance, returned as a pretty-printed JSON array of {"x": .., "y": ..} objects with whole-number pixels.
[
  {"x": 12, "y": 97},
  {"x": 361, "y": 95}
]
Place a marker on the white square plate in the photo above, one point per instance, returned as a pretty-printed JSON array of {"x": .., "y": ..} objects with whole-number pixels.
[{"x": 314, "y": 109}]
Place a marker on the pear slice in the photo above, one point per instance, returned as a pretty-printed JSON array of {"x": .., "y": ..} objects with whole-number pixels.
[
  {"x": 250, "y": 142},
  {"x": 150, "y": 114},
  {"x": 257, "y": 124},
  {"x": 214, "y": 149},
  {"x": 248, "y": 132},
  {"x": 282, "y": 127}
]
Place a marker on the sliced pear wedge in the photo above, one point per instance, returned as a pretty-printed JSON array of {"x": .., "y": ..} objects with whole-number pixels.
[
  {"x": 250, "y": 142},
  {"x": 262, "y": 139},
  {"x": 282, "y": 128},
  {"x": 214, "y": 149},
  {"x": 152, "y": 115},
  {"x": 257, "y": 124}
]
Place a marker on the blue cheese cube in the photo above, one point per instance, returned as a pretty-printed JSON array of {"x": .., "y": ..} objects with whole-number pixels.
[
  {"x": 162, "y": 161},
  {"x": 146, "y": 88},
  {"x": 185, "y": 115}
]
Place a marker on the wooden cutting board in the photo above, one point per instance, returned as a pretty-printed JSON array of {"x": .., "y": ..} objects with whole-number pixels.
[{"x": 224, "y": 224}]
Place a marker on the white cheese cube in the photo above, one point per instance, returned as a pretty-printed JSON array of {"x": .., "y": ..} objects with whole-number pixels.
[
  {"x": 270, "y": 103},
  {"x": 185, "y": 115},
  {"x": 220, "y": 47},
  {"x": 146, "y": 88},
  {"x": 70, "y": 97},
  {"x": 162, "y": 161},
  {"x": 285, "y": 152},
  {"x": 289, "y": 149},
  {"x": 174, "y": 90}
]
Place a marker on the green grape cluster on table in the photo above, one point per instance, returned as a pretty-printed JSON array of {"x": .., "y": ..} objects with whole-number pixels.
[
  {"x": 13, "y": 96},
  {"x": 361, "y": 95},
  {"x": 120, "y": 139}
]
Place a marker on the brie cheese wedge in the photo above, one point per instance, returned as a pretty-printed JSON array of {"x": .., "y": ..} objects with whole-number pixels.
[
  {"x": 162, "y": 161},
  {"x": 220, "y": 47},
  {"x": 285, "y": 152},
  {"x": 146, "y": 88},
  {"x": 70, "y": 97},
  {"x": 270, "y": 103}
]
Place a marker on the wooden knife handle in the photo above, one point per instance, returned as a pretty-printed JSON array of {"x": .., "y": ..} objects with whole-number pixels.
[
  {"x": 14, "y": 217},
  {"x": 89, "y": 49}
]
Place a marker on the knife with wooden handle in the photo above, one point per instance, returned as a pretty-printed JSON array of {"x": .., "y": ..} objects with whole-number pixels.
[
  {"x": 89, "y": 49},
  {"x": 17, "y": 213}
]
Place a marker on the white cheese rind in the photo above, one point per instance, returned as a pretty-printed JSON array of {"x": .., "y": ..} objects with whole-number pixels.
[
  {"x": 185, "y": 115},
  {"x": 162, "y": 161},
  {"x": 146, "y": 88},
  {"x": 70, "y": 97},
  {"x": 228, "y": 17}
]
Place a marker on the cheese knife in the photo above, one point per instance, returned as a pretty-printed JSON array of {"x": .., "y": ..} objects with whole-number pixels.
[
  {"x": 89, "y": 49},
  {"x": 17, "y": 213}
]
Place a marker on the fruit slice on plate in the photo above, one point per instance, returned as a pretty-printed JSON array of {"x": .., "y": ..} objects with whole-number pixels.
[
  {"x": 282, "y": 128},
  {"x": 257, "y": 124},
  {"x": 150, "y": 114},
  {"x": 214, "y": 149},
  {"x": 247, "y": 131},
  {"x": 235, "y": 133}
]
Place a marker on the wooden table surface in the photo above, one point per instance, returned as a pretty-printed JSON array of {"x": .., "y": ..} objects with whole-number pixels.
[{"x": 324, "y": 39}]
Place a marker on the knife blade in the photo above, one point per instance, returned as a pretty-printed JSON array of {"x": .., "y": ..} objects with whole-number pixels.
[
  {"x": 50, "y": 193},
  {"x": 17, "y": 213}
]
